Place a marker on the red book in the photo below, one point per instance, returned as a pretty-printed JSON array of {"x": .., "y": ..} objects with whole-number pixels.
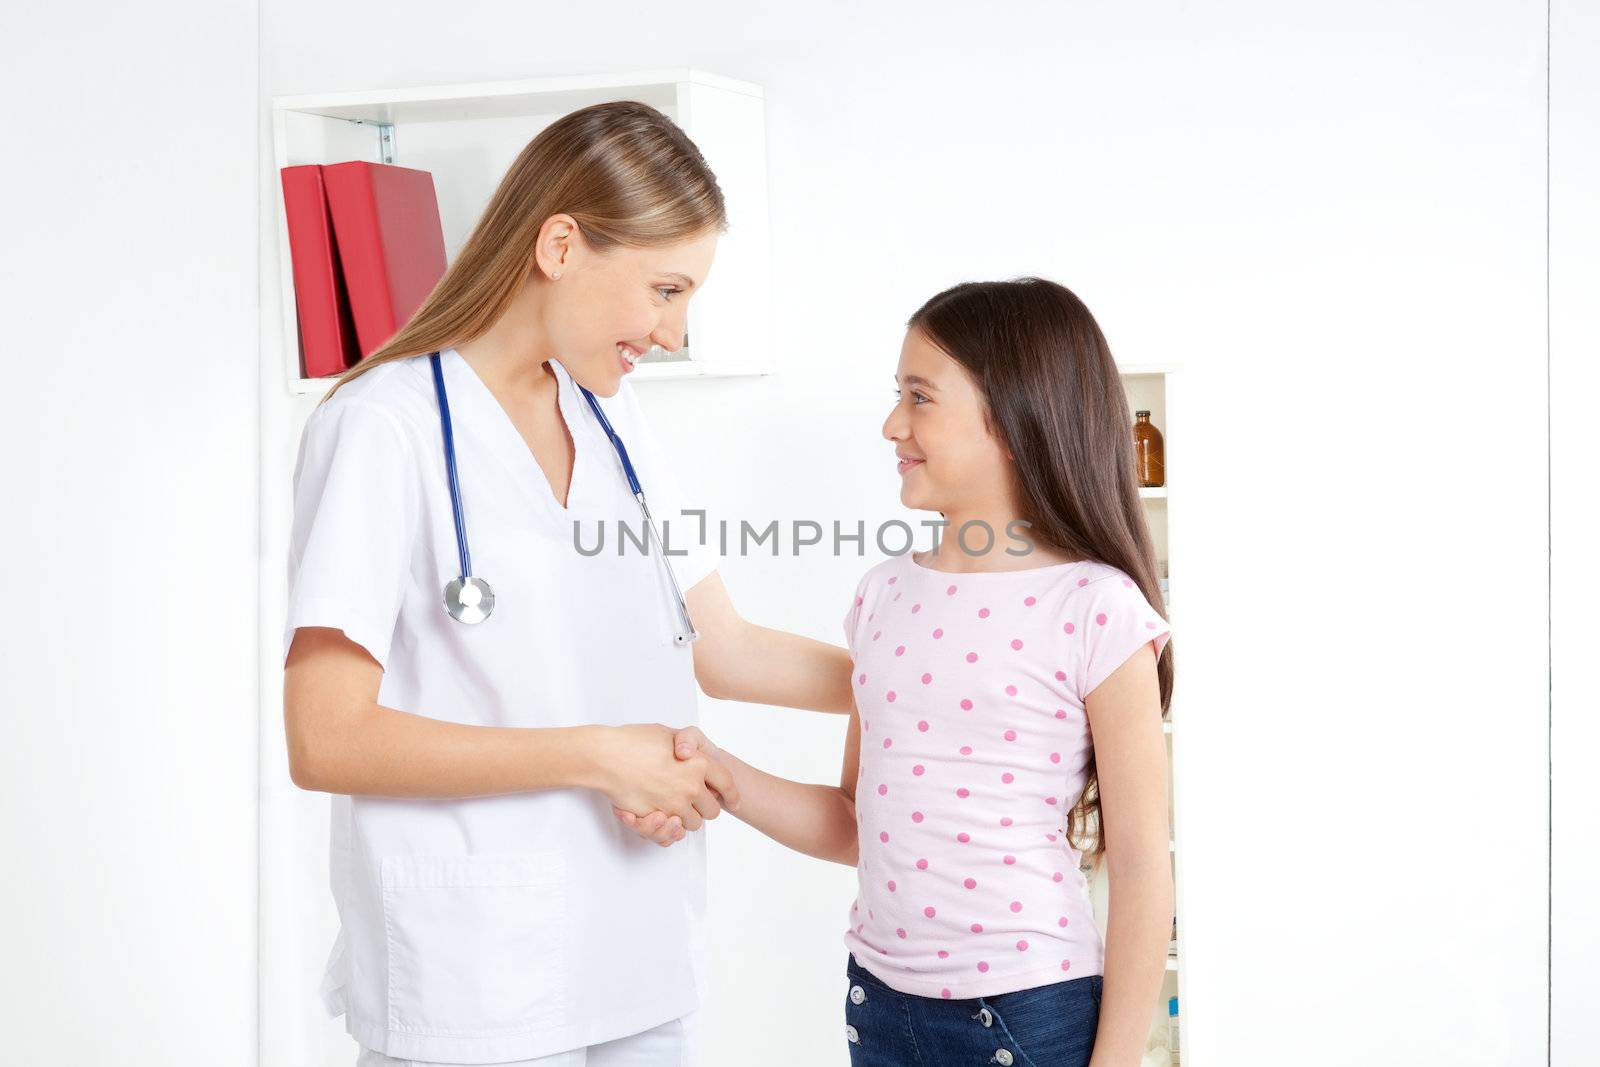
[
  {"x": 386, "y": 224},
  {"x": 327, "y": 334}
]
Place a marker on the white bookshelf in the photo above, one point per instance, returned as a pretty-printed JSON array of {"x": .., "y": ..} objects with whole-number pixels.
[
  {"x": 467, "y": 135},
  {"x": 1152, "y": 387}
]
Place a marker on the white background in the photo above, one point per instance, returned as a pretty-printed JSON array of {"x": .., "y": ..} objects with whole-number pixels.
[{"x": 1333, "y": 215}]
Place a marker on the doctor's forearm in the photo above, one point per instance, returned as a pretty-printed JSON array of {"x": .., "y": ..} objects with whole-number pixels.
[
  {"x": 818, "y": 820},
  {"x": 784, "y": 669},
  {"x": 384, "y": 752}
]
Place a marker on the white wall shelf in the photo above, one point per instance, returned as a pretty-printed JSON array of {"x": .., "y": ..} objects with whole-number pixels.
[
  {"x": 467, "y": 135},
  {"x": 1150, "y": 387}
]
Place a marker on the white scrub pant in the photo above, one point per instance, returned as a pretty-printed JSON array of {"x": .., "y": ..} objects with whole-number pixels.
[{"x": 668, "y": 1045}]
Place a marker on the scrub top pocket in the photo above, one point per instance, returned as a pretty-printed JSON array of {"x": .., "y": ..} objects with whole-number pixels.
[{"x": 476, "y": 943}]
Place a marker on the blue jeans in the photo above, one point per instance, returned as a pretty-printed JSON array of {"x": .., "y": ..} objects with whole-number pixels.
[{"x": 1046, "y": 1026}]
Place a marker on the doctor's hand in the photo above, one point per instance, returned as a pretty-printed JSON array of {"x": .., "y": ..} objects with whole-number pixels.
[
  {"x": 658, "y": 793},
  {"x": 658, "y": 826}
]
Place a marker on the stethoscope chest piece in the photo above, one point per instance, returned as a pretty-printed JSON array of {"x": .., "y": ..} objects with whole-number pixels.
[{"x": 469, "y": 600}]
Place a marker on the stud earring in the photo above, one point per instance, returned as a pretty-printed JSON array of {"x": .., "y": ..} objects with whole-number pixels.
[{"x": 555, "y": 274}]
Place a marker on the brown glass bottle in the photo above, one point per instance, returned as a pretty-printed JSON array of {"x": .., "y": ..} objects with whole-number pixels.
[{"x": 1149, "y": 452}]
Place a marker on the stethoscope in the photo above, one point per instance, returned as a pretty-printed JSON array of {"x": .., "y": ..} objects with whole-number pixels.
[{"x": 469, "y": 599}]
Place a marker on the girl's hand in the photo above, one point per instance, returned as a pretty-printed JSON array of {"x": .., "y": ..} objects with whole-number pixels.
[
  {"x": 658, "y": 826},
  {"x": 643, "y": 776}
]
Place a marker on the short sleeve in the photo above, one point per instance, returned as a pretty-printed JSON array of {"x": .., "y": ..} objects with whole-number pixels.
[
  {"x": 852, "y": 617},
  {"x": 684, "y": 527},
  {"x": 1115, "y": 620},
  {"x": 356, "y": 498}
]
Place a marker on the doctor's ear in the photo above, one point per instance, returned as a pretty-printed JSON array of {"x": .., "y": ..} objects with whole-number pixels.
[{"x": 559, "y": 246}]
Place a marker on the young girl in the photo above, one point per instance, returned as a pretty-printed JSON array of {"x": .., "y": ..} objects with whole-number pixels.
[{"x": 1008, "y": 709}]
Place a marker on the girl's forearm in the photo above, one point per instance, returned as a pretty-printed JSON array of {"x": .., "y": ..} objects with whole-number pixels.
[
  {"x": 1138, "y": 926},
  {"x": 818, "y": 820}
]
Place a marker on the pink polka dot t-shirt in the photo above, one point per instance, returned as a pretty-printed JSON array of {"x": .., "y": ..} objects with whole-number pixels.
[{"x": 974, "y": 746}]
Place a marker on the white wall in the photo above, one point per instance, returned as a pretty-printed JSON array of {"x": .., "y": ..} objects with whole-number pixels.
[
  {"x": 129, "y": 425},
  {"x": 1575, "y": 381}
]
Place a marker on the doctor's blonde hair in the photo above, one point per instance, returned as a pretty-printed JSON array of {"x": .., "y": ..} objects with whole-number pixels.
[{"x": 626, "y": 172}]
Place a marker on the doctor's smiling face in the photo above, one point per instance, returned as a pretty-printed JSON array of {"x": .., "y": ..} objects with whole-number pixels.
[
  {"x": 949, "y": 459},
  {"x": 603, "y": 310}
]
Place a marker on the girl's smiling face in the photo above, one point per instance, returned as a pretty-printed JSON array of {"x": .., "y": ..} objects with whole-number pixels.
[{"x": 949, "y": 459}]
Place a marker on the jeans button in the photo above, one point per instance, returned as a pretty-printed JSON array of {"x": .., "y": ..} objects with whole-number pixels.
[
  {"x": 1003, "y": 1058},
  {"x": 985, "y": 1018},
  {"x": 851, "y": 1035},
  {"x": 857, "y": 995}
]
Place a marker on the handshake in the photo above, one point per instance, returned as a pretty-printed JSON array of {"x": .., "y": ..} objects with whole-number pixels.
[{"x": 662, "y": 799}]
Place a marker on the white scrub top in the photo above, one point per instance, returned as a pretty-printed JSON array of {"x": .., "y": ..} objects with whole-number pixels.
[{"x": 499, "y": 928}]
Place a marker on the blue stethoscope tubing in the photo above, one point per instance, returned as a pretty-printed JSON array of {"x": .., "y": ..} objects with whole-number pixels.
[{"x": 469, "y": 599}]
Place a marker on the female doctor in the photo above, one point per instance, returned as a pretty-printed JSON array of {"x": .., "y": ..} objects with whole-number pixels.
[{"x": 477, "y": 694}]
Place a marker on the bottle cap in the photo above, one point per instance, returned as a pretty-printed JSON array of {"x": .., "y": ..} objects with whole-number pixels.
[{"x": 1142, "y": 414}]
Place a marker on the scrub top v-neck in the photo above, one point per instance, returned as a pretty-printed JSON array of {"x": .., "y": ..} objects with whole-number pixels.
[
  {"x": 486, "y": 929},
  {"x": 497, "y": 425}
]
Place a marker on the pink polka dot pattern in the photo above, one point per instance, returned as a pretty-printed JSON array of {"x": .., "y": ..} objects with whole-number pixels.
[{"x": 973, "y": 823}]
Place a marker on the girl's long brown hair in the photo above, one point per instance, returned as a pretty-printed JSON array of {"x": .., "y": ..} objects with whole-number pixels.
[
  {"x": 626, "y": 172},
  {"x": 1056, "y": 400}
]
